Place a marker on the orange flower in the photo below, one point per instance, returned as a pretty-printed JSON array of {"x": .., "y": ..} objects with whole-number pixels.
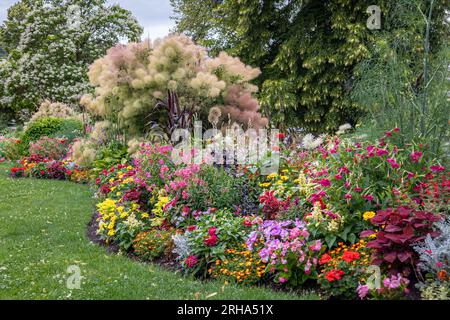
[{"x": 442, "y": 275}]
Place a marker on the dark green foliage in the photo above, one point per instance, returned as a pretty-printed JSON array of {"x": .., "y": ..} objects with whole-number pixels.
[
  {"x": 110, "y": 155},
  {"x": 307, "y": 50},
  {"x": 53, "y": 128},
  {"x": 404, "y": 83},
  {"x": 217, "y": 188}
]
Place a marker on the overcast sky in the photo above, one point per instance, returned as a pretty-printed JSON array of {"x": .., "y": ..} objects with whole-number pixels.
[{"x": 153, "y": 15}]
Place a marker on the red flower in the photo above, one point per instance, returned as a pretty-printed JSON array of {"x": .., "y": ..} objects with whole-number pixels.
[
  {"x": 247, "y": 222},
  {"x": 349, "y": 256},
  {"x": 334, "y": 274},
  {"x": 325, "y": 259},
  {"x": 191, "y": 228},
  {"x": 211, "y": 241},
  {"x": 281, "y": 136},
  {"x": 191, "y": 261}
]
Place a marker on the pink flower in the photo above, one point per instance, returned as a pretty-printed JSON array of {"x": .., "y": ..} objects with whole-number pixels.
[
  {"x": 415, "y": 156},
  {"x": 316, "y": 246},
  {"x": 393, "y": 163},
  {"x": 362, "y": 290},
  {"x": 437, "y": 168},
  {"x": 381, "y": 152},
  {"x": 368, "y": 197},
  {"x": 282, "y": 280},
  {"x": 191, "y": 261},
  {"x": 348, "y": 196}
]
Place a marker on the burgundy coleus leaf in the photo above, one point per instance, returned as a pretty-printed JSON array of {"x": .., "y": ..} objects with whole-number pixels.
[
  {"x": 403, "y": 256},
  {"x": 366, "y": 233},
  {"x": 390, "y": 256},
  {"x": 396, "y": 238},
  {"x": 374, "y": 245},
  {"x": 403, "y": 212},
  {"x": 392, "y": 228}
]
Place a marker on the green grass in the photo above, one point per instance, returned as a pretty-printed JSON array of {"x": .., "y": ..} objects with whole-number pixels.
[{"x": 43, "y": 232}]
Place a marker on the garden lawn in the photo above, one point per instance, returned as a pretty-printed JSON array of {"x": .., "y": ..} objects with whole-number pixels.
[{"x": 43, "y": 232}]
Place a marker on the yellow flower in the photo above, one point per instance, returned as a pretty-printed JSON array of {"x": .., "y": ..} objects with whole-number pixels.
[
  {"x": 272, "y": 175},
  {"x": 144, "y": 215},
  {"x": 284, "y": 178},
  {"x": 368, "y": 215},
  {"x": 265, "y": 184},
  {"x": 111, "y": 232},
  {"x": 129, "y": 167}
]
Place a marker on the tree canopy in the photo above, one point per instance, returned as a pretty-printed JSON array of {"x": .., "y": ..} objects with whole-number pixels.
[
  {"x": 306, "y": 50},
  {"x": 51, "y": 43}
]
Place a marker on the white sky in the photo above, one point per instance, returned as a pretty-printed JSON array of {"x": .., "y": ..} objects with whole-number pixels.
[{"x": 153, "y": 15}]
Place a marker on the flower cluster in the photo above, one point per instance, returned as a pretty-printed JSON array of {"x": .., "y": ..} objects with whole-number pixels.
[
  {"x": 287, "y": 249},
  {"x": 240, "y": 265},
  {"x": 342, "y": 268}
]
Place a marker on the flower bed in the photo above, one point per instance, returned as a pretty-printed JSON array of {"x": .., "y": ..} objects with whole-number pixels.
[{"x": 328, "y": 218}]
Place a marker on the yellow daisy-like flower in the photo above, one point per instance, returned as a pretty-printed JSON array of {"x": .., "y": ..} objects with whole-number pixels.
[
  {"x": 272, "y": 175},
  {"x": 284, "y": 178},
  {"x": 265, "y": 184},
  {"x": 368, "y": 215},
  {"x": 144, "y": 215}
]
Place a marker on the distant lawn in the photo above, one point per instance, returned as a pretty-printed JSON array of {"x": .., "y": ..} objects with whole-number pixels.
[{"x": 43, "y": 232}]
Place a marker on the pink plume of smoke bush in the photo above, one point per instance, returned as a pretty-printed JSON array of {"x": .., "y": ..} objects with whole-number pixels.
[{"x": 243, "y": 108}]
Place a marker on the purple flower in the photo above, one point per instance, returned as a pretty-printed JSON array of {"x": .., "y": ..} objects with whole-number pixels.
[{"x": 362, "y": 291}]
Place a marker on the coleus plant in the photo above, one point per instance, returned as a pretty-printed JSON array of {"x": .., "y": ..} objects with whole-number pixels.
[{"x": 399, "y": 229}]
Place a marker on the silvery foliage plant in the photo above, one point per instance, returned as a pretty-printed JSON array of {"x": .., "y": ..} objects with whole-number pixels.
[
  {"x": 182, "y": 248},
  {"x": 434, "y": 253}
]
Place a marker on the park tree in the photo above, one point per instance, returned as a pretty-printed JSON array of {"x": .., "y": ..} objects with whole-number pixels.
[
  {"x": 306, "y": 50},
  {"x": 51, "y": 43}
]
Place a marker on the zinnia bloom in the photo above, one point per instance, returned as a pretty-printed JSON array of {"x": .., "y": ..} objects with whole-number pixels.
[
  {"x": 334, "y": 275},
  {"x": 349, "y": 256},
  {"x": 368, "y": 215},
  {"x": 325, "y": 259},
  {"x": 191, "y": 261}
]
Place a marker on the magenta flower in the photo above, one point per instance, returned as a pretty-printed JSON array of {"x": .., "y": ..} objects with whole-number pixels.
[
  {"x": 393, "y": 163},
  {"x": 415, "y": 156},
  {"x": 325, "y": 182},
  {"x": 437, "y": 168}
]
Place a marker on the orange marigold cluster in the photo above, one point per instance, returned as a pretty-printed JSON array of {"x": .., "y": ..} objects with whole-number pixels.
[{"x": 240, "y": 265}]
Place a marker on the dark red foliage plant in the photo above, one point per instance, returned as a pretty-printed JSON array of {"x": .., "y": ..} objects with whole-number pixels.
[{"x": 398, "y": 229}]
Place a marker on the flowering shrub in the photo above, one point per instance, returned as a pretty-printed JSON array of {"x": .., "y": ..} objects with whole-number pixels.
[
  {"x": 239, "y": 265},
  {"x": 53, "y": 109},
  {"x": 10, "y": 148},
  {"x": 51, "y": 148},
  {"x": 399, "y": 229},
  {"x": 153, "y": 244},
  {"x": 287, "y": 250},
  {"x": 147, "y": 78},
  {"x": 342, "y": 268}
]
